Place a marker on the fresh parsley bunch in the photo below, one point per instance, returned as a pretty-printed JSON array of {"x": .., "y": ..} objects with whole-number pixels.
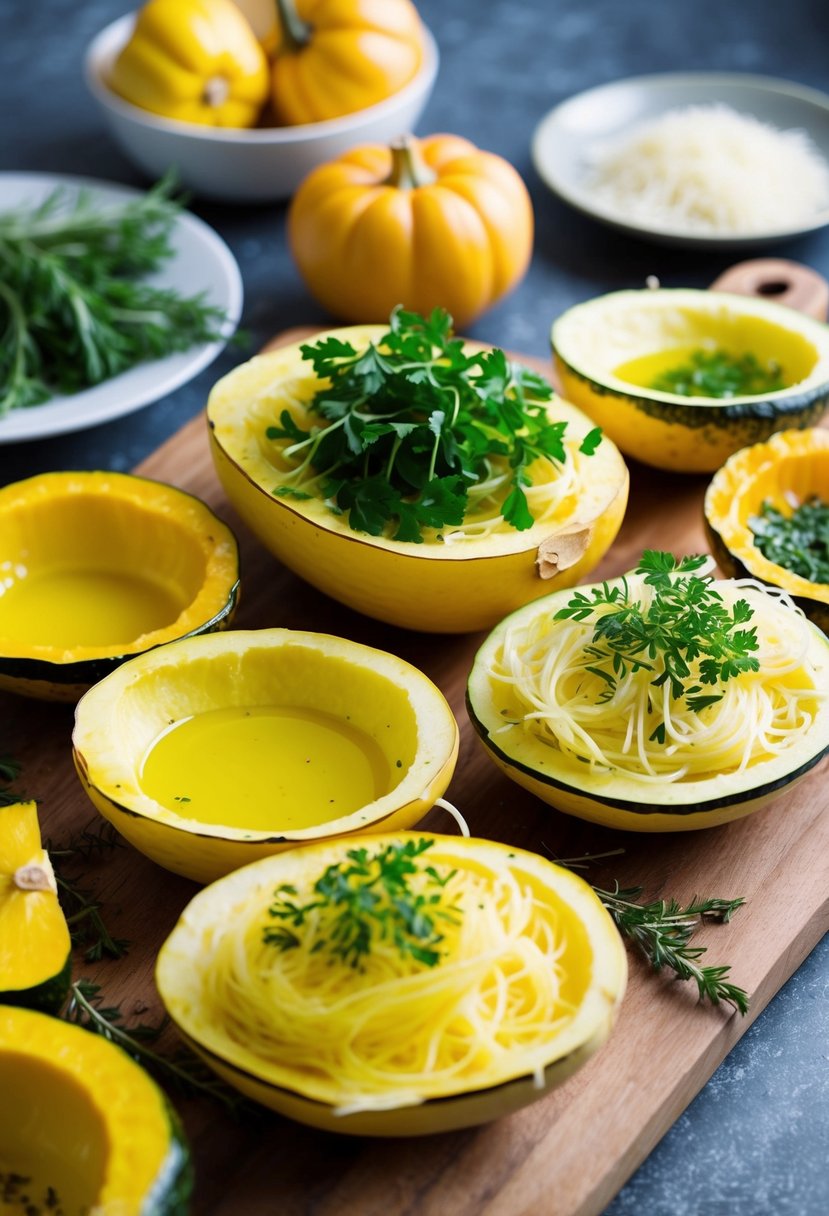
[{"x": 411, "y": 426}]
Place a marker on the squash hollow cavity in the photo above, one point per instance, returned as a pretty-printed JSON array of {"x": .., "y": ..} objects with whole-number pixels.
[
  {"x": 96, "y": 566},
  {"x": 220, "y": 750}
]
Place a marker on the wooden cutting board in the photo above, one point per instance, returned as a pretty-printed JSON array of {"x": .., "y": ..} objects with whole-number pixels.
[{"x": 568, "y": 1154}]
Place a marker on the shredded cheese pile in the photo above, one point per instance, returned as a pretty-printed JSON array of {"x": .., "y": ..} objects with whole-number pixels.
[
  {"x": 710, "y": 169},
  {"x": 394, "y": 1032},
  {"x": 545, "y": 664}
]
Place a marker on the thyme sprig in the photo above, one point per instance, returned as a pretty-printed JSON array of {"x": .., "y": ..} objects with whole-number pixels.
[
  {"x": 414, "y": 431},
  {"x": 83, "y": 910},
  {"x": 686, "y": 622},
  {"x": 366, "y": 898},
  {"x": 183, "y": 1070},
  {"x": 662, "y": 931}
]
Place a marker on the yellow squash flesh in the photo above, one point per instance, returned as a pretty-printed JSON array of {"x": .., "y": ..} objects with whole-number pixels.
[
  {"x": 792, "y": 467},
  {"x": 388, "y": 700},
  {"x": 432, "y": 586},
  {"x": 34, "y": 937},
  {"x": 98, "y": 566},
  {"x": 593, "y": 961},
  {"x": 80, "y": 1118},
  {"x": 593, "y": 341}
]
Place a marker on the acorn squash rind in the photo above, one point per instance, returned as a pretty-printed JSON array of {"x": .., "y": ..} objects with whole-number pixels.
[
  {"x": 613, "y": 800},
  {"x": 430, "y": 587},
  {"x": 686, "y": 434},
  {"x": 148, "y": 1167},
  {"x": 47, "y": 672},
  {"x": 791, "y": 461}
]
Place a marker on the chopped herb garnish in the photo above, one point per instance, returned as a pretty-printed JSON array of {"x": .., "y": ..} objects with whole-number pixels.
[
  {"x": 798, "y": 542},
  {"x": 720, "y": 374},
  {"x": 685, "y": 623},
  {"x": 366, "y": 898},
  {"x": 415, "y": 433}
]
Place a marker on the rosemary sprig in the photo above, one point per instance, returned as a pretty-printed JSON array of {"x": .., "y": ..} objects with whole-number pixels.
[
  {"x": 662, "y": 931},
  {"x": 365, "y": 898},
  {"x": 183, "y": 1070},
  {"x": 87, "y": 926}
]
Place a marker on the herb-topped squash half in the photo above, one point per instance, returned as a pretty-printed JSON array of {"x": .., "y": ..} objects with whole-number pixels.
[
  {"x": 83, "y": 1130},
  {"x": 35, "y": 950},
  {"x": 98, "y": 566},
  {"x": 681, "y": 379},
  {"x": 418, "y": 479},
  {"x": 415, "y": 984},
  {"x": 767, "y": 517},
  {"x": 656, "y": 702}
]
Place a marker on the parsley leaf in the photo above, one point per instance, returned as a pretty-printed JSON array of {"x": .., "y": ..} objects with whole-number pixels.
[{"x": 416, "y": 433}]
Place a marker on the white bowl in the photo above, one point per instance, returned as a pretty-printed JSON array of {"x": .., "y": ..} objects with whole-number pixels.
[{"x": 244, "y": 165}]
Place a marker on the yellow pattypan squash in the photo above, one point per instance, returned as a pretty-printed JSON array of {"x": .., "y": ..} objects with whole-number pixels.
[
  {"x": 437, "y": 223},
  {"x": 338, "y": 56},
  {"x": 196, "y": 61}
]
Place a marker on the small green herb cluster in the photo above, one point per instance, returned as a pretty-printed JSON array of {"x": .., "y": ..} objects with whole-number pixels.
[
  {"x": 9, "y": 770},
  {"x": 685, "y": 622},
  {"x": 798, "y": 542},
  {"x": 74, "y": 306},
  {"x": 366, "y": 898},
  {"x": 720, "y": 374},
  {"x": 416, "y": 431}
]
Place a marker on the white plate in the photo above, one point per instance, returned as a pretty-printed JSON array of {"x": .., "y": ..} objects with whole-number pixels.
[
  {"x": 201, "y": 262},
  {"x": 566, "y": 137}
]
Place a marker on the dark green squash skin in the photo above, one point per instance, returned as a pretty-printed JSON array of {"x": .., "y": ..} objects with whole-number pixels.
[
  {"x": 69, "y": 681},
  {"x": 48, "y": 996},
  {"x": 753, "y": 421},
  {"x": 172, "y": 1191},
  {"x": 644, "y": 809}
]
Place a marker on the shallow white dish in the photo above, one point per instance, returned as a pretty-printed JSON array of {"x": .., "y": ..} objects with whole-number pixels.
[
  {"x": 202, "y": 262},
  {"x": 567, "y": 136},
  {"x": 260, "y": 164}
]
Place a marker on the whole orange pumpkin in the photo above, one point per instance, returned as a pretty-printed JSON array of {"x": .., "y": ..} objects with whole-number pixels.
[
  {"x": 337, "y": 56},
  {"x": 435, "y": 223}
]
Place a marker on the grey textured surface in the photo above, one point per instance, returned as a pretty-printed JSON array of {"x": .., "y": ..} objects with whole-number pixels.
[{"x": 756, "y": 1140}]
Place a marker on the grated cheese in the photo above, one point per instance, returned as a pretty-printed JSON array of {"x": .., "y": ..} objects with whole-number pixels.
[{"x": 709, "y": 169}]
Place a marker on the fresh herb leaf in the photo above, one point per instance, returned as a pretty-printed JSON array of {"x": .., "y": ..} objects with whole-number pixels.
[
  {"x": 75, "y": 308},
  {"x": 183, "y": 1069},
  {"x": 798, "y": 542},
  {"x": 82, "y": 909},
  {"x": 9, "y": 771},
  {"x": 662, "y": 931},
  {"x": 419, "y": 434},
  {"x": 366, "y": 898},
  {"x": 719, "y": 373},
  {"x": 685, "y": 622}
]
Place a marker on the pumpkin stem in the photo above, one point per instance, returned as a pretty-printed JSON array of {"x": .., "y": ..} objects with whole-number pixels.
[
  {"x": 33, "y": 877},
  {"x": 296, "y": 33},
  {"x": 216, "y": 91},
  {"x": 408, "y": 168}
]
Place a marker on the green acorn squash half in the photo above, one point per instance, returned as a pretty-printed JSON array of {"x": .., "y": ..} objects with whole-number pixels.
[
  {"x": 35, "y": 950},
  {"x": 96, "y": 567},
  {"x": 83, "y": 1129},
  {"x": 791, "y": 468},
  {"x": 618, "y": 797},
  {"x": 597, "y": 344}
]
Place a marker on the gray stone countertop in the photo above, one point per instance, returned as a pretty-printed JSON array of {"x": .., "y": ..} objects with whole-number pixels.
[{"x": 756, "y": 1139}]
